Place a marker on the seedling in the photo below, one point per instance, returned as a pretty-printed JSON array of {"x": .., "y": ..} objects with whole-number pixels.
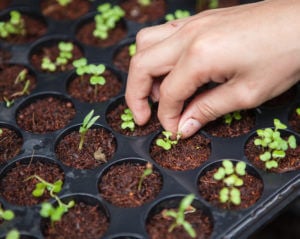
[
  {"x": 106, "y": 19},
  {"x": 178, "y": 14},
  {"x": 21, "y": 77},
  {"x": 273, "y": 145},
  {"x": 166, "y": 143},
  {"x": 144, "y": 2},
  {"x": 230, "y": 177},
  {"x": 132, "y": 49},
  {"x": 9, "y": 215},
  {"x": 15, "y": 25},
  {"x": 179, "y": 215},
  {"x": 147, "y": 172},
  {"x": 298, "y": 111},
  {"x": 8, "y": 103},
  {"x": 87, "y": 123},
  {"x": 64, "y": 3},
  {"x": 127, "y": 120},
  {"x": 228, "y": 118}
]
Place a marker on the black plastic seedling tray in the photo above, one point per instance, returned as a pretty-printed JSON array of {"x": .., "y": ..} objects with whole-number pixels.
[{"x": 279, "y": 190}]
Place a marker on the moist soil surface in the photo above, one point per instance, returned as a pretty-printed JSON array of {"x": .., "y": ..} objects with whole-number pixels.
[
  {"x": 187, "y": 154},
  {"x": 73, "y": 10},
  {"x": 209, "y": 189},
  {"x": 10, "y": 87},
  {"x": 119, "y": 185},
  {"x": 113, "y": 118},
  {"x": 45, "y": 115},
  {"x": 81, "y": 89},
  {"x": 99, "y": 147},
  {"x": 16, "y": 188},
  {"x": 122, "y": 59},
  {"x": 138, "y": 13},
  {"x": 10, "y": 144},
  {"x": 81, "y": 221}
]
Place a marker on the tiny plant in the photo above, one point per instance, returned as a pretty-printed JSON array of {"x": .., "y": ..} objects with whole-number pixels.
[
  {"x": 166, "y": 143},
  {"x": 228, "y": 118},
  {"x": 230, "y": 177},
  {"x": 144, "y": 2},
  {"x": 127, "y": 120},
  {"x": 14, "y": 26},
  {"x": 87, "y": 123},
  {"x": 132, "y": 49},
  {"x": 273, "y": 145},
  {"x": 9, "y": 215},
  {"x": 106, "y": 19},
  {"x": 8, "y": 103},
  {"x": 21, "y": 77},
  {"x": 178, "y": 14},
  {"x": 298, "y": 111},
  {"x": 63, "y": 3},
  {"x": 147, "y": 172},
  {"x": 179, "y": 215}
]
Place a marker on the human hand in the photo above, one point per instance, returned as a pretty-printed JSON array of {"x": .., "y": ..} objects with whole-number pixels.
[{"x": 252, "y": 50}]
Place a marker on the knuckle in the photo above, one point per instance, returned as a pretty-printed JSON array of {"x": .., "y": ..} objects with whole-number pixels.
[{"x": 142, "y": 37}]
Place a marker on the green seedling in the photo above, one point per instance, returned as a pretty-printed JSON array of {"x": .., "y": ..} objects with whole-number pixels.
[
  {"x": 166, "y": 143},
  {"x": 87, "y": 123},
  {"x": 179, "y": 215},
  {"x": 132, "y": 49},
  {"x": 127, "y": 120},
  {"x": 8, "y": 103},
  {"x": 230, "y": 176},
  {"x": 15, "y": 25},
  {"x": 106, "y": 19},
  {"x": 64, "y": 3},
  {"x": 178, "y": 14},
  {"x": 21, "y": 77},
  {"x": 9, "y": 215},
  {"x": 273, "y": 145},
  {"x": 228, "y": 118},
  {"x": 147, "y": 172},
  {"x": 298, "y": 111},
  {"x": 13, "y": 234},
  {"x": 80, "y": 66},
  {"x": 144, "y": 2}
]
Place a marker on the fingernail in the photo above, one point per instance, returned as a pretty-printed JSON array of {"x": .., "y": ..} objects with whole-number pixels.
[{"x": 189, "y": 127}]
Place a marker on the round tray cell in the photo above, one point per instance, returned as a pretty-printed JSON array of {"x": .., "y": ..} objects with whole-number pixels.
[
  {"x": 250, "y": 188},
  {"x": 122, "y": 57},
  {"x": 294, "y": 118},
  {"x": 198, "y": 216},
  {"x": 131, "y": 183},
  {"x": 99, "y": 147},
  {"x": 288, "y": 163},
  {"x": 115, "y": 118},
  {"x": 18, "y": 180},
  {"x": 232, "y": 125},
  {"x": 45, "y": 114},
  {"x": 10, "y": 143},
  {"x": 140, "y": 13},
  {"x": 4, "y": 4},
  {"x": 86, "y": 219},
  {"x": 85, "y": 89},
  {"x": 55, "y": 55},
  {"x": 70, "y": 11},
  {"x": 17, "y": 81},
  {"x": 187, "y": 154},
  {"x": 31, "y": 27}
]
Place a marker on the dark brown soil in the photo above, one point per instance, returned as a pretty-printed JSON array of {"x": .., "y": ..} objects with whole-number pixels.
[
  {"x": 219, "y": 128},
  {"x": 5, "y": 55},
  {"x": 187, "y": 154},
  {"x": 289, "y": 163},
  {"x": 294, "y": 120},
  {"x": 17, "y": 190},
  {"x": 9, "y": 88},
  {"x": 119, "y": 185},
  {"x": 45, "y": 115},
  {"x": 81, "y": 221},
  {"x": 157, "y": 226},
  {"x": 4, "y": 4},
  {"x": 81, "y": 89},
  {"x": 281, "y": 100},
  {"x": 85, "y": 35},
  {"x": 73, "y": 10},
  {"x": 138, "y": 13},
  {"x": 113, "y": 118},
  {"x": 96, "y": 140},
  {"x": 209, "y": 189},
  {"x": 10, "y": 144},
  {"x": 51, "y": 51},
  {"x": 122, "y": 58}
]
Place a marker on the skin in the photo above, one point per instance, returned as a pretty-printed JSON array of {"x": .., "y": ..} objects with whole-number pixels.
[{"x": 252, "y": 51}]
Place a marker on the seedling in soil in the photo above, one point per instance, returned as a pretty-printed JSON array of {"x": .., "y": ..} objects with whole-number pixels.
[
  {"x": 106, "y": 19},
  {"x": 230, "y": 177},
  {"x": 178, "y": 14},
  {"x": 179, "y": 215},
  {"x": 228, "y": 118},
  {"x": 132, "y": 49},
  {"x": 9, "y": 215},
  {"x": 273, "y": 145},
  {"x": 166, "y": 143},
  {"x": 144, "y": 2},
  {"x": 64, "y": 3},
  {"x": 8, "y": 103},
  {"x": 87, "y": 123},
  {"x": 298, "y": 111},
  {"x": 127, "y": 120},
  {"x": 147, "y": 172},
  {"x": 15, "y": 25}
]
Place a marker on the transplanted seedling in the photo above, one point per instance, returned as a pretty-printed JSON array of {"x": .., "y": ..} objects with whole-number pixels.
[
  {"x": 14, "y": 26},
  {"x": 132, "y": 49},
  {"x": 230, "y": 176},
  {"x": 273, "y": 145},
  {"x": 178, "y": 14},
  {"x": 166, "y": 143},
  {"x": 228, "y": 118},
  {"x": 21, "y": 77},
  {"x": 8, "y": 103},
  {"x": 179, "y": 215},
  {"x": 127, "y": 120},
  {"x": 87, "y": 123},
  {"x": 9, "y": 215},
  {"x": 147, "y": 172}
]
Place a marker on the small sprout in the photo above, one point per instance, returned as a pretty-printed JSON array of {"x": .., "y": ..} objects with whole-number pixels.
[
  {"x": 99, "y": 155},
  {"x": 147, "y": 172},
  {"x": 80, "y": 66},
  {"x": 166, "y": 143},
  {"x": 6, "y": 215},
  {"x": 144, "y": 2},
  {"x": 213, "y": 4},
  {"x": 8, "y": 103},
  {"x": 21, "y": 76},
  {"x": 228, "y": 118},
  {"x": 178, "y": 14},
  {"x": 64, "y": 3},
  {"x": 15, "y": 25},
  {"x": 127, "y": 120},
  {"x": 179, "y": 215},
  {"x": 47, "y": 64},
  {"x": 13, "y": 234},
  {"x": 132, "y": 49},
  {"x": 87, "y": 123},
  {"x": 298, "y": 111},
  {"x": 24, "y": 91}
]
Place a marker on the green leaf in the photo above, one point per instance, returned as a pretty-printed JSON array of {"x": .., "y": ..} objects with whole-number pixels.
[
  {"x": 46, "y": 209},
  {"x": 189, "y": 229},
  {"x": 278, "y": 154},
  {"x": 228, "y": 166},
  {"x": 163, "y": 144},
  {"x": 240, "y": 168},
  {"x": 220, "y": 174},
  {"x": 128, "y": 124},
  {"x": 186, "y": 203},
  {"x": 13, "y": 234},
  {"x": 230, "y": 180},
  {"x": 97, "y": 80},
  {"x": 8, "y": 215},
  {"x": 271, "y": 164},
  {"x": 235, "y": 196},
  {"x": 292, "y": 142},
  {"x": 57, "y": 186},
  {"x": 224, "y": 195},
  {"x": 279, "y": 125},
  {"x": 57, "y": 213},
  {"x": 265, "y": 156}
]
